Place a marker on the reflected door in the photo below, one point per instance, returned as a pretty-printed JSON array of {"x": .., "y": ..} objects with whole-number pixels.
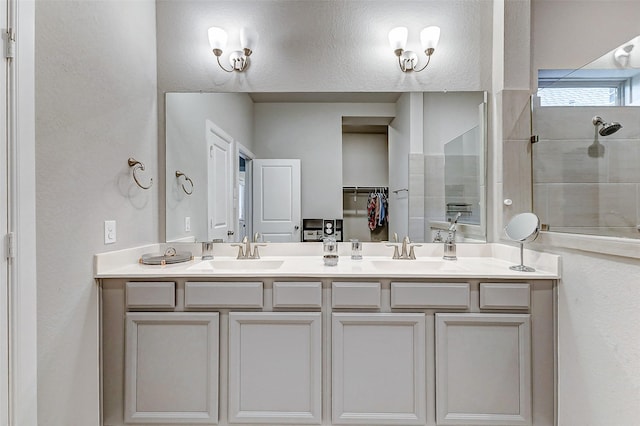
[
  {"x": 219, "y": 183},
  {"x": 276, "y": 199}
]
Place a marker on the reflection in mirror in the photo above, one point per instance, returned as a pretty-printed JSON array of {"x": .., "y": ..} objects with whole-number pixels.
[
  {"x": 349, "y": 147},
  {"x": 462, "y": 177},
  {"x": 585, "y": 169},
  {"x": 523, "y": 228}
]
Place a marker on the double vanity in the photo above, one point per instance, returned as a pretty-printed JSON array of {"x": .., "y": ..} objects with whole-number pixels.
[{"x": 286, "y": 340}]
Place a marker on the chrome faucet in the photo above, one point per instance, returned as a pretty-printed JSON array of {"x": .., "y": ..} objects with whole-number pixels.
[
  {"x": 407, "y": 252},
  {"x": 450, "y": 243},
  {"x": 244, "y": 248}
]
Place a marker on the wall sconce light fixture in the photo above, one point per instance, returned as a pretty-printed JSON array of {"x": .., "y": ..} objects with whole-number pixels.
[
  {"x": 407, "y": 59},
  {"x": 239, "y": 59}
]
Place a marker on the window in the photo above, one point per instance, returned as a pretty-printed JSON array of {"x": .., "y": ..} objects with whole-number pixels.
[{"x": 586, "y": 87}]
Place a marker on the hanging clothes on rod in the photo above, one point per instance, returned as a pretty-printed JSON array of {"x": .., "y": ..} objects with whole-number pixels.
[{"x": 377, "y": 209}]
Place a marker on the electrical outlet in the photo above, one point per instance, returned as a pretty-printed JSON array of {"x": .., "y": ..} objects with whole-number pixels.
[
  {"x": 109, "y": 231},
  {"x": 187, "y": 224}
]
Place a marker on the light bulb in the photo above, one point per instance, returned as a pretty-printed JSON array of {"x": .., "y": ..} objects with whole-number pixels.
[
  {"x": 217, "y": 38},
  {"x": 248, "y": 38},
  {"x": 429, "y": 38},
  {"x": 398, "y": 38}
]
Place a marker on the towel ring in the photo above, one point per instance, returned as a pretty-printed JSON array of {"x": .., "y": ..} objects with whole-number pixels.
[
  {"x": 138, "y": 166},
  {"x": 187, "y": 179}
]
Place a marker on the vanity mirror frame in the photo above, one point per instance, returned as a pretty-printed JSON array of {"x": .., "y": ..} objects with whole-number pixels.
[{"x": 418, "y": 158}]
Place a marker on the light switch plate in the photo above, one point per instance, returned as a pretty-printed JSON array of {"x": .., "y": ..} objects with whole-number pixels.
[
  {"x": 109, "y": 231},
  {"x": 187, "y": 224}
]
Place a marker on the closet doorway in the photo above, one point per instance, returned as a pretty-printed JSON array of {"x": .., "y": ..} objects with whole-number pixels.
[
  {"x": 243, "y": 198},
  {"x": 365, "y": 178}
]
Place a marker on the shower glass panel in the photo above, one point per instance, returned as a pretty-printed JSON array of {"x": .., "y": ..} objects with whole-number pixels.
[
  {"x": 586, "y": 163},
  {"x": 462, "y": 178}
]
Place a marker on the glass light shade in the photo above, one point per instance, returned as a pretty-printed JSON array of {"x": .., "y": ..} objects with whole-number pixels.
[
  {"x": 217, "y": 38},
  {"x": 248, "y": 38},
  {"x": 429, "y": 37},
  {"x": 398, "y": 38}
]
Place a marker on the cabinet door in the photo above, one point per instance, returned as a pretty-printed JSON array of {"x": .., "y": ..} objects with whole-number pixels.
[
  {"x": 171, "y": 368},
  {"x": 275, "y": 364},
  {"x": 378, "y": 369},
  {"x": 483, "y": 369}
]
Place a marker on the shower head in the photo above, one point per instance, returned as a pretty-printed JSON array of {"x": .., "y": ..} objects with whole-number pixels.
[{"x": 607, "y": 128}]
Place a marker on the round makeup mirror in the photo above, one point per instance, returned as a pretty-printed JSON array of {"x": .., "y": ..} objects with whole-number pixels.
[{"x": 523, "y": 228}]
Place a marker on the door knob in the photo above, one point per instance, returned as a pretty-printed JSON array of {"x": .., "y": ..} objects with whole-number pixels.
[
  {"x": 296, "y": 227},
  {"x": 230, "y": 233}
]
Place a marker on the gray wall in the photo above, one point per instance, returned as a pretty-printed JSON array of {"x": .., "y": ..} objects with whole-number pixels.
[
  {"x": 95, "y": 107},
  {"x": 186, "y": 151},
  {"x": 399, "y": 149},
  {"x": 323, "y": 45},
  {"x": 311, "y": 132}
]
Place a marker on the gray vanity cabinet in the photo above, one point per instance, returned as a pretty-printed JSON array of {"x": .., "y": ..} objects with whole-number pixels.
[
  {"x": 328, "y": 351},
  {"x": 275, "y": 367},
  {"x": 483, "y": 369},
  {"x": 171, "y": 368},
  {"x": 378, "y": 368}
]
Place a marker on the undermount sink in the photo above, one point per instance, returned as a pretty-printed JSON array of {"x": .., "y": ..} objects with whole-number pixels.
[
  {"x": 237, "y": 265},
  {"x": 403, "y": 265}
]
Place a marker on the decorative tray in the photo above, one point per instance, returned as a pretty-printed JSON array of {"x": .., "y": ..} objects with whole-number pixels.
[{"x": 170, "y": 256}]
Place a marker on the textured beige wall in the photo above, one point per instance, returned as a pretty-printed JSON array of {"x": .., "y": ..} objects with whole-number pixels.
[{"x": 95, "y": 108}]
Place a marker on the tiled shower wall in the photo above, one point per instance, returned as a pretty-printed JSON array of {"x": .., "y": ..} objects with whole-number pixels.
[{"x": 583, "y": 182}]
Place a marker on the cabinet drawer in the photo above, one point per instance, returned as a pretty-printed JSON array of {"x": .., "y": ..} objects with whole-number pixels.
[
  {"x": 430, "y": 295},
  {"x": 355, "y": 295},
  {"x": 156, "y": 295},
  {"x": 288, "y": 294},
  {"x": 223, "y": 294},
  {"x": 505, "y": 296}
]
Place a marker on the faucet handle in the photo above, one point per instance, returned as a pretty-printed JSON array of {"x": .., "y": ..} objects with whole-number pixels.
[
  {"x": 240, "y": 250},
  {"x": 396, "y": 253},
  {"x": 256, "y": 253},
  {"x": 412, "y": 253},
  {"x": 256, "y": 237}
]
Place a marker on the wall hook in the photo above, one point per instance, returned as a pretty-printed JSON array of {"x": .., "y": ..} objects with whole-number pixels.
[
  {"x": 138, "y": 166},
  {"x": 187, "y": 179}
]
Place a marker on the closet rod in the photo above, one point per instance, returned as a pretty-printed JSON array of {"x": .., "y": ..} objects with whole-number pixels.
[{"x": 365, "y": 188}]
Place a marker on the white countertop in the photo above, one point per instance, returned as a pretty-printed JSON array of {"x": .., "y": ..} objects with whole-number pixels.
[{"x": 487, "y": 261}]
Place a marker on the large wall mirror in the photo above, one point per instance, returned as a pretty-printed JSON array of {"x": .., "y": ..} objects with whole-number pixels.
[
  {"x": 296, "y": 166},
  {"x": 586, "y": 174}
]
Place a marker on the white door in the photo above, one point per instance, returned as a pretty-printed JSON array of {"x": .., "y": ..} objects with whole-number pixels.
[
  {"x": 276, "y": 199},
  {"x": 220, "y": 156}
]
